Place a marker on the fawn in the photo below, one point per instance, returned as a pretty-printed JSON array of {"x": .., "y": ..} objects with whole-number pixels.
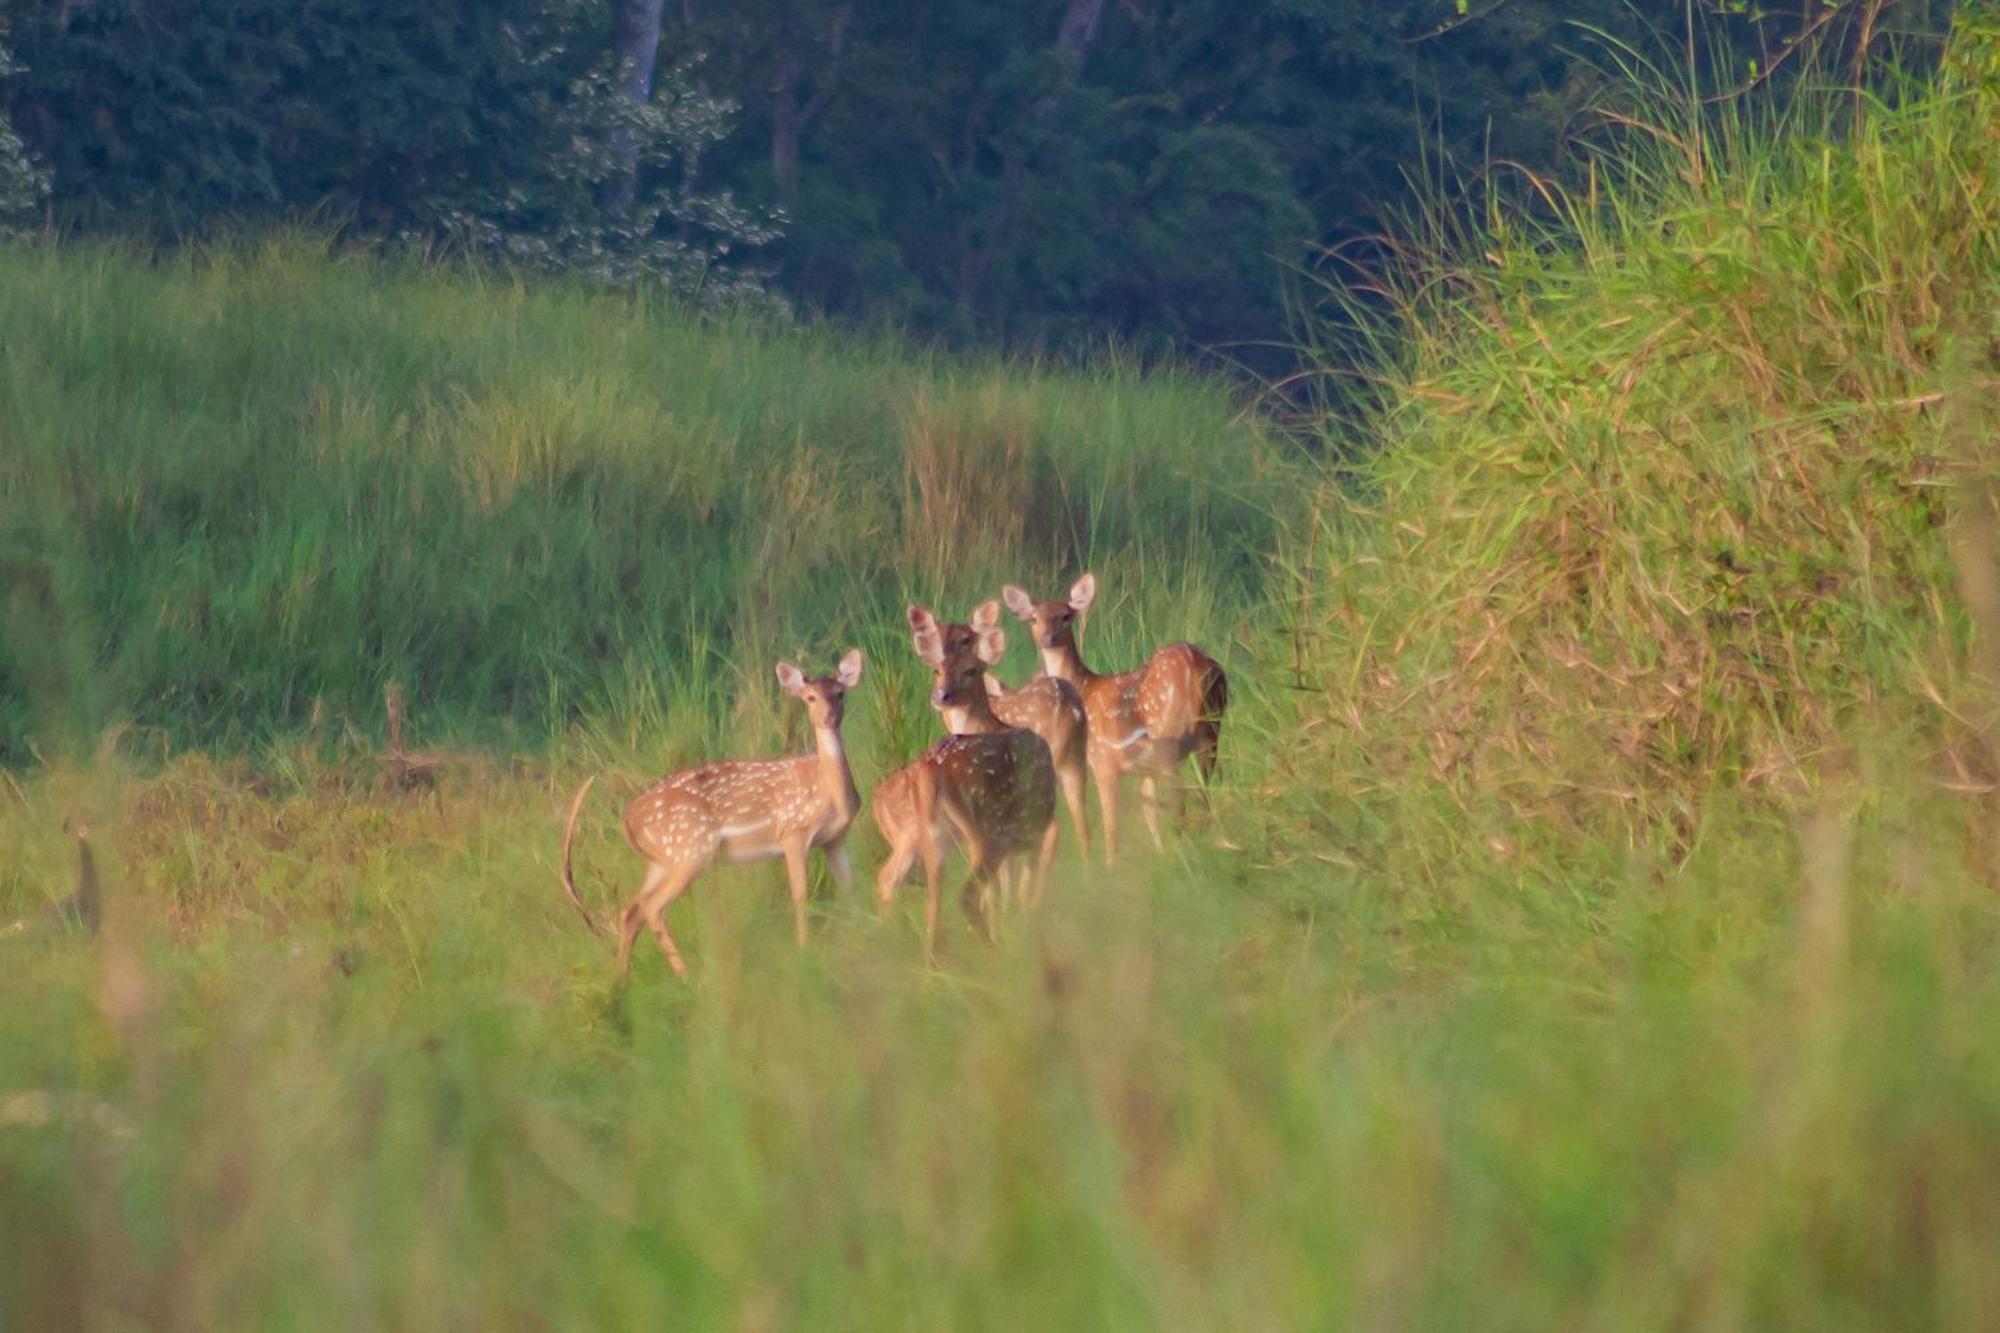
[
  {"x": 739, "y": 809},
  {"x": 1144, "y": 721},
  {"x": 988, "y": 787}
]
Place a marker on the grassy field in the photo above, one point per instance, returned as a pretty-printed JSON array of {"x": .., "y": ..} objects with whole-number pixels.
[
  {"x": 1597, "y": 929},
  {"x": 244, "y": 488}
]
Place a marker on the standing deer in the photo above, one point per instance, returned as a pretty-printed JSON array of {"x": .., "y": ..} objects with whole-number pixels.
[
  {"x": 1143, "y": 722},
  {"x": 988, "y": 787},
  {"x": 1045, "y": 705},
  {"x": 739, "y": 809}
]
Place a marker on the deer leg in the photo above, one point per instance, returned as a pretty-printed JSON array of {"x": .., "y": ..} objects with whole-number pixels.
[
  {"x": 1043, "y": 859},
  {"x": 1174, "y": 786},
  {"x": 839, "y": 862},
  {"x": 930, "y": 922},
  {"x": 1071, "y": 781},
  {"x": 933, "y": 872},
  {"x": 895, "y": 866},
  {"x": 795, "y": 871},
  {"x": 634, "y": 916},
  {"x": 1105, "y": 778},
  {"x": 656, "y": 918},
  {"x": 1149, "y": 806},
  {"x": 1207, "y": 741},
  {"x": 971, "y": 899}
]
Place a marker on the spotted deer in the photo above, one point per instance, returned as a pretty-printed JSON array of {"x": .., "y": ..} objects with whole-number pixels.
[
  {"x": 987, "y": 787},
  {"x": 1045, "y": 705},
  {"x": 738, "y": 810},
  {"x": 1144, "y": 722}
]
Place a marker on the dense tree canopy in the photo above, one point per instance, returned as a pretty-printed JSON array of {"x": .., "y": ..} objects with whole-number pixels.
[
  {"x": 1043, "y": 173},
  {"x": 502, "y": 125}
]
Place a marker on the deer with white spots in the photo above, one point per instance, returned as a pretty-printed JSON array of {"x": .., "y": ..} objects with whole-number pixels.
[
  {"x": 1145, "y": 722},
  {"x": 738, "y": 810},
  {"x": 988, "y": 787},
  {"x": 1045, "y": 705}
]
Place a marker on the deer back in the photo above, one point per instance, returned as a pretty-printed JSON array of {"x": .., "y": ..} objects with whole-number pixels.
[
  {"x": 997, "y": 789},
  {"x": 1053, "y": 710},
  {"x": 1153, "y": 715},
  {"x": 894, "y": 807},
  {"x": 741, "y": 807},
  {"x": 1118, "y": 734},
  {"x": 894, "y": 804},
  {"x": 1179, "y": 689}
]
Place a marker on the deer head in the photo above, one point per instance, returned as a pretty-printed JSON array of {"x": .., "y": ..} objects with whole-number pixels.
[
  {"x": 1053, "y": 624},
  {"x": 982, "y": 640},
  {"x": 825, "y": 697}
]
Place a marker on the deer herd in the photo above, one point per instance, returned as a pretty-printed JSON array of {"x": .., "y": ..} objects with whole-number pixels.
[{"x": 988, "y": 788}]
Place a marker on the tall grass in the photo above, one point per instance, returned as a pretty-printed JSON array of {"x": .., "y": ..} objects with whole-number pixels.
[
  {"x": 1659, "y": 499},
  {"x": 1515, "y": 984},
  {"x": 256, "y": 482}
]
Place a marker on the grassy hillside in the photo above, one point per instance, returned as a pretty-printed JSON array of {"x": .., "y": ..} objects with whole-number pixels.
[
  {"x": 1681, "y": 482},
  {"x": 1597, "y": 930},
  {"x": 237, "y": 488}
]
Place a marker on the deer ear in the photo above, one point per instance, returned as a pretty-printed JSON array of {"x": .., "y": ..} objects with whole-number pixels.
[
  {"x": 1018, "y": 601},
  {"x": 1082, "y": 593},
  {"x": 992, "y": 645},
  {"x": 793, "y": 679},
  {"x": 849, "y": 671},
  {"x": 925, "y": 636},
  {"x": 993, "y": 687},
  {"x": 986, "y": 615}
]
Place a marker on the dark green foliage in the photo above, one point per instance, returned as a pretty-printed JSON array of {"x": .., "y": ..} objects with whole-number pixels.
[
  {"x": 23, "y": 185},
  {"x": 485, "y": 123},
  {"x": 1043, "y": 174},
  {"x": 961, "y": 172}
]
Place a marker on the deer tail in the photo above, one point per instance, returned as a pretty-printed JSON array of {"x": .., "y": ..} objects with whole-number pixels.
[
  {"x": 569, "y": 836},
  {"x": 1214, "y": 694}
]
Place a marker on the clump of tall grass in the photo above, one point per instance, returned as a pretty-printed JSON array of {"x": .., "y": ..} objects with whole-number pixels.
[{"x": 1663, "y": 471}]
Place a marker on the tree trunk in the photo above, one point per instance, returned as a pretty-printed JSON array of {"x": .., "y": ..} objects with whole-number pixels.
[
  {"x": 1079, "y": 31},
  {"x": 789, "y": 116},
  {"x": 786, "y": 126},
  {"x": 637, "y": 41}
]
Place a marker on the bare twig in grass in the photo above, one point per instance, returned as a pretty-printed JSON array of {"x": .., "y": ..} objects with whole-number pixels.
[{"x": 406, "y": 770}]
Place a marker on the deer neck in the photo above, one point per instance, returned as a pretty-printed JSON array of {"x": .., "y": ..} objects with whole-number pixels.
[
  {"x": 1065, "y": 662},
  {"x": 973, "y": 719},
  {"x": 836, "y": 779}
]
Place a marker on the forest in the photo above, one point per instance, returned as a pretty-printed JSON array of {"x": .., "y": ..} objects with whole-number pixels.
[{"x": 1177, "y": 176}]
